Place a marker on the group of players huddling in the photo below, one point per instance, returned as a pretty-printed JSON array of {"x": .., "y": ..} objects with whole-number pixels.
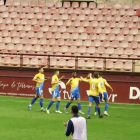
[{"x": 97, "y": 91}]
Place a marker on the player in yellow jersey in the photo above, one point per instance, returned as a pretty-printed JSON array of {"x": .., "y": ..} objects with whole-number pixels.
[
  {"x": 94, "y": 93},
  {"x": 39, "y": 79},
  {"x": 55, "y": 92},
  {"x": 74, "y": 92},
  {"x": 103, "y": 84}
]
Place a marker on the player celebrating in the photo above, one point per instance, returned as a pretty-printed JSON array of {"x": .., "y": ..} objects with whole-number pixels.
[
  {"x": 74, "y": 93},
  {"x": 103, "y": 84},
  {"x": 39, "y": 79},
  {"x": 94, "y": 93},
  {"x": 55, "y": 92}
]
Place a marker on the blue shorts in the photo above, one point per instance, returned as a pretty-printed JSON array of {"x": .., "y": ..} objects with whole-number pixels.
[
  {"x": 105, "y": 96},
  {"x": 55, "y": 94},
  {"x": 75, "y": 95},
  {"x": 39, "y": 91},
  {"x": 94, "y": 98}
]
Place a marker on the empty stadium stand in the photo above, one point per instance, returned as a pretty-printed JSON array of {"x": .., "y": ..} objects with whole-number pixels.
[{"x": 44, "y": 28}]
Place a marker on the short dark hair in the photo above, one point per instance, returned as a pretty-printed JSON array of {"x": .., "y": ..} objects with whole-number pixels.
[
  {"x": 100, "y": 74},
  {"x": 40, "y": 68},
  {"x": 96, "y": 74},
  {"x": 74, "y": 109},
  {"x": 56, "y": 71},
  {"x": 74, "y": 72}
]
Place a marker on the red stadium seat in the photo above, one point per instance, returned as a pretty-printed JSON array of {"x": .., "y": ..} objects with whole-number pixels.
[
  {"x": 78, "y": 42},
  {"x": 16, "y": 40},
  {"x": 34, "y": 41},
  {"x": 70, "y": 10},
  {"x": 11, "y": 8},
  {"x": 68, "y": 23},
  {"x": 57, "y": 35},
  {"x": 95, "y": 11},
  {"x": 50, "y": 4},
  {"x": 102, "y": 36},
  {"x": 100, "y": 6},
  {"x": 60, "y": 42},
  {"x": 93, "y": 36},
  {"x": 92, "y": 5},
  {"x": 77, "y": 23},
  {"x": 3, "y": 8},
  {"x": 122, "y": 12},
  {"x": 42, "y": 22},
  {"x": 90, "y": 64},
  {"x": 10, "y": 46},
  {"x": 82, "y": 17},
  {"x": 87, "y": 43},
  {"x": 67, "y": 35},
  {"x": 75, "y": 4},
  {"x": 78, "y": 11},
  {"x": 99, "y": 64},
  {"x": 131, "y": 12},
  {"x": 138, "y": 25},
  {"x": 33, "y": 3},
  {"x": 130, "y": 24},
  {"x": 59, "y": 22},
  {"x": 2, "y": 46},
  {"x": 126, "y": 6},
  {"x": 16, "y": 21},
  {"x": 22, "y": 34},
  {"x": 104, "y": 11},
  {"x": 125, "y": 31},
  {"x": 16, "y": 61},
  {"x": 123, "y": 56},
  {"x": 5, "y": 33},
  {"x": 91, "y": 50},
  {"x": 119, "y": 51},
  {"x": 106, "y": 43},
  {"x": 128, "y": 51},
  {"x": 94, "y": 23},
  {"x": 129, "y": 38},
  {"x": 118, "y": 65},
  {"x": 110, "y": 51},
  {"x": 42, "y": 3},
  {"x": 47, "y": 16},
  {"x": 6, "y": 60},
  {"x": 124, "y": 44},
  {"x": 97, "y": 43},
  {"x": 135, "y": 6},
  {"x": 73, "y": 49},
  {"x": 61, "y": 63},
  {"x": 28, "y": 27},
  {"x": 19, "y": 47},
  {"x": 25, "y": 3},
  {"x": 90, "y": 17},
  {"x": 39, "y": 34},
  {"x": 81, "y": 63},
  {"x": 117, "y": 18},
  {"x": 71, "y": 29},
  {"x": 28, "y": 47},
  {"x": 128, "y": 66},
  {"x": 34, "y": 62},
  {"x": 80, "y": 29},
  {"x": 137, "y": 38},
  {"x": 38, "y": 16},
  {"x": 111, "y": 37},
  {"x": 107, "y": 30},
  {"x": 73, "y": 17},
  {"x": 125, "y": 18},
  {"x": 53, "y": 10},
  {"x": 52, "y": 41},
  {"x": 16, "y": 2},
  {"x": 27, "y": 9},
  {"x": 55, "y": 48},
  {"x": 112, "y": 24},
  {"x": 58, "y": 4},
  {"x": 71, "y": 63},
  {"x": 135, "y": 19},
  {"x": 87, "y": 11},
  {"x": 5, "y": 15},
  {"x": 43, "y": 62},
  {"x": 118, "y": 6},
  {"x": 115, "y": 44},
  {"x": 100, "y": 50},
  {"x": 109, "y": 5},
  {"x": 66, "y": 4},
  {"x": 37, "y": 10},
  {"x": 7, "y": 40},
  {"x": 82, "y": 49},
  {"x": 24, "y": 21},
  {"x": 108, "y": 18},
  {"x": 85, "y": 23},
  {"x": 61, "y": 10},
  {"x": 50, "y": 22},
  {"x": 134, "y": 45},
  {"x": 116, "y": 30},
  {"x": 64, "y": 49},
  {"x": 134, "y": 31},
  {"x": 75, "y": 36},
  {"x": 98, "y": 30},
  {"x": 99, "y": 17},
  {"x": 109, "y": 65},
  {"x": 83, "y": 5},
  {"x": 120, "y": 37}
]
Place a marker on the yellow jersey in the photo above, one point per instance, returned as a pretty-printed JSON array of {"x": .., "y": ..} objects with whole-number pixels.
[
  {"x": 55, "y": 87},
  {"x": 40, "y": 78},
  {"x": 103, "y": 84},
  {"x": 74, "y": 83},
  {"x": 94, "y": 86}
]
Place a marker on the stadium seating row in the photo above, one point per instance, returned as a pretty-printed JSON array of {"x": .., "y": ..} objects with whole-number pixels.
[
  {"x": 67, "y": 4},
  {"x": 14, "y": 11},
  {"x": 91, "y": 63}
]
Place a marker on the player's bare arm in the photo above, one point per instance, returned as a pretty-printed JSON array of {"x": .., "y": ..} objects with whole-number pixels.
[
  {"x": 48, "y": 78},
  {"x": 35, "y": 80},
  {"x": 65, "y": 123},
  {"x": 108, "y": 86},
  {"x": 69, "y": 81},
  {"x": 61, "y": 78}
]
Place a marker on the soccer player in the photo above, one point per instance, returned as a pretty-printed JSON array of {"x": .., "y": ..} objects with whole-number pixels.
[
  {"x": 55, "y": 92},
  {"x": 74, "y": 93},
  {"x": 94, "y": 93},
  {"x": 39, "y": 79},
  {"x": 103, "y": 84}
]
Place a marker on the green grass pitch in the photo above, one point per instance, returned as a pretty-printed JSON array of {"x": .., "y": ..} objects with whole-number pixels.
[{"x": 18, "y": 123}]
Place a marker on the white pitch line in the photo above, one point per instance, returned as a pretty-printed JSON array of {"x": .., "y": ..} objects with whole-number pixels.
[{"x": 63, "y": 104}]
